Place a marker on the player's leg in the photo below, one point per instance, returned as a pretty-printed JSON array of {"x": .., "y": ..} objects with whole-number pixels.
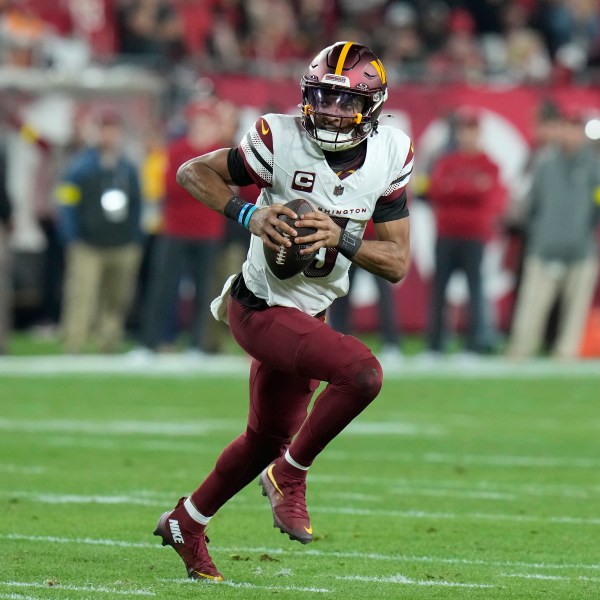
[
  {"x": 278, "y": 404},
  {"x": 304, "y": 346}
]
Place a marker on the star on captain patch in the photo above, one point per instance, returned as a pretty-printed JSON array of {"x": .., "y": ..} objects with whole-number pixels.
[{"x": 338, "y": 190}]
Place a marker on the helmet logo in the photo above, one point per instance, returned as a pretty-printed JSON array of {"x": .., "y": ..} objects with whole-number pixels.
[
  {"x": 362, "y": 86},
  {"x": 336, "y": 80},
  {"x": 312, "y": 77}
]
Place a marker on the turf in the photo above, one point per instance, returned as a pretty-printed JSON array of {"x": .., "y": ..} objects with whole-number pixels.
[{"x": 443, "y": 488}]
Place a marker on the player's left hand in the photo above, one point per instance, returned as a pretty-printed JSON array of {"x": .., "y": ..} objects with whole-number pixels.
[{"x": 327, "y": 235}]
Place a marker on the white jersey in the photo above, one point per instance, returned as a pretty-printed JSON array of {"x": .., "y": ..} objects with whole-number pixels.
[{"x": 283, "y": 161}]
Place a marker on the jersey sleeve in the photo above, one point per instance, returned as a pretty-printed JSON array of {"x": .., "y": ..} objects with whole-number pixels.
[
  {"x": 392, "y": 204},
  {"x": 391, "y": 210},
  {"x": 398, "y": 185},
  {"x": 256, "y": 150}
]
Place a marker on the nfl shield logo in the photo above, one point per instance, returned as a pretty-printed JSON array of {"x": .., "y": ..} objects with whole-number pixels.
[{"x": 338, "y": 190}]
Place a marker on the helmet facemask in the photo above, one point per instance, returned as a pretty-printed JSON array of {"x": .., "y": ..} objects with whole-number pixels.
[{"x": 337, "y": 119}]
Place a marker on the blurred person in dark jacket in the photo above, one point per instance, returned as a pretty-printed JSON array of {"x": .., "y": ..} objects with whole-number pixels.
[
  {"x": 561, "y": 255},
  {"x": 150, "y": 31},
  {"x": 339, "y": 313},
  {"x": 5, "y": 280},
  {"x": 189, "y": 242},
  {"x": 99, "y": 221},
  {"x": 467, "y": 198}
]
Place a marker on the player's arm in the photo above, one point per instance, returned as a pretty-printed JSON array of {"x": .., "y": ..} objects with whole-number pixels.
[
  {"x": 387, "y": 257},
  {"x": 207, "y": 178}
]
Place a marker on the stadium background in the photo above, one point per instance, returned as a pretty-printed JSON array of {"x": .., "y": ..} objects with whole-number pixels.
[{"x": 62, "y": 62}]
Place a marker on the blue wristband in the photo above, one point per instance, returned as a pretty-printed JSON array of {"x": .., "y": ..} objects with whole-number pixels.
[
  {"x": 240, "y": 218},
  {"x": 239, "y": 211},
  {"x": 248, "y": 215}
]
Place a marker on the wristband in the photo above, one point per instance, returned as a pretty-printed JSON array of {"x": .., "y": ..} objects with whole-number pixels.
[
  {"x": 238, "y": 210},
  {"x": 348, "y": 245}
]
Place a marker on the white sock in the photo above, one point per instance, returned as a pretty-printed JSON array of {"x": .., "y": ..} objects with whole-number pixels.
[
  {"x": 194, "y": 513},
  {"x": 292, "y": 462}
]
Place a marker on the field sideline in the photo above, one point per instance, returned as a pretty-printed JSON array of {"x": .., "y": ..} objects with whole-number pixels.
[{"x": 475, "y": 480}]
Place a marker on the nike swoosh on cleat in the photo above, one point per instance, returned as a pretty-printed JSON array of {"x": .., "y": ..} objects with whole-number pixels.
[
  {"x": 264, "y": 129},
  {"x": 308, "y": 530},
  {"x": 270, "y": 475}
]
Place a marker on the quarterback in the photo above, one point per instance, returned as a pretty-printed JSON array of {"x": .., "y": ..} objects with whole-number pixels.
[{"x": 337, "y": 157}]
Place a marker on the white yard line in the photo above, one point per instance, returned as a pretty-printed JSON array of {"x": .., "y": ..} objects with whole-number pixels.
[
  {"x": 358, "y": 556},
  {"x": 51, "y": 539},
  {"x": 125, "y": 427},
  {"x": 196, "y": 428},
  {"x": 49, "y": 498},
  {"x": 251, "y": 586},
  {"x": 159, "y": 366},
  {"x": 22, "y": 469},
  {"x": 480, "y": 485},
  {"x": 402, "y": 580},
  {"x": 550, "y": 577},
  {"x": 490, "y": 460},
  {"x": 245, "y": 505},
  {"x": 206, "y": 427},
  {"x": 78, "y": 588},
  {"x": 20, "y": 597},
  {"x": 476, "y": 516},
  {"x": 219, "y": 366}
]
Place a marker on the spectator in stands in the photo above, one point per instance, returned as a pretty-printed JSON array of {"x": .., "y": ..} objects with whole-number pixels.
[
  {"x": 22, "y": 34},
  {"x": 151, "y": 32},
  {"x": 526, "y": 58},
  {"x": 467, "y": 199},
  {"x": 99, "y": 220},
  {"x": 562, "y": 253},
  {"x": 404, "y": 50},
  {"x": 460, "y": 58},
  {"x": 189, "y": 242},
  {"x": 5, "y": 282}
]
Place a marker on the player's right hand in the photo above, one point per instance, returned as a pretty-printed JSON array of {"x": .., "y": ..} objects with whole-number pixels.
[{"x": 265, "y": 223}]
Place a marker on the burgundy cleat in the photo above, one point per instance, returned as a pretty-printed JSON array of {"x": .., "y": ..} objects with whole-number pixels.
[
  {"x": 287, "y": 497},
  {"x": 190, "y": 545}
]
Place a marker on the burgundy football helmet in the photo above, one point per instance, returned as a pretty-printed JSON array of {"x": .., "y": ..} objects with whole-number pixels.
[{"x": 343, "y": 91}]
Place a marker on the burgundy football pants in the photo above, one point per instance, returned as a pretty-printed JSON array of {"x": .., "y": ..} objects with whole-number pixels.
[{"x": 292, "y": 352}]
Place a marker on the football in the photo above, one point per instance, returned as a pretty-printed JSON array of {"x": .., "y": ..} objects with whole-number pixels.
[{"x": 287, "y": 262}]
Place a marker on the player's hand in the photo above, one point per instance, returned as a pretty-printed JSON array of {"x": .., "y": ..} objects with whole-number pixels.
[
  {"x": 327, "y": 234},
  {"x": 264, "y": 221}
]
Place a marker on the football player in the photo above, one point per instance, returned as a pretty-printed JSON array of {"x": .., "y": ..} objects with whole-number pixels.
[{"x": 350, "y": 169}]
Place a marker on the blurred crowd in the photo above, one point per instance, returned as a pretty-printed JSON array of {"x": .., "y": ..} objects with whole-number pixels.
[
  {"x": 98, "y": 243},
  {"x": 506, "y": 40}
]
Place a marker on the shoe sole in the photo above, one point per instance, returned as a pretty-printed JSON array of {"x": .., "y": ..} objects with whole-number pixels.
[{"x": 277, "y": 524}]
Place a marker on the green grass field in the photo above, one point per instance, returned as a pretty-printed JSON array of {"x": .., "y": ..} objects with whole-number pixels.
[{"x": 484, "y": 488}]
